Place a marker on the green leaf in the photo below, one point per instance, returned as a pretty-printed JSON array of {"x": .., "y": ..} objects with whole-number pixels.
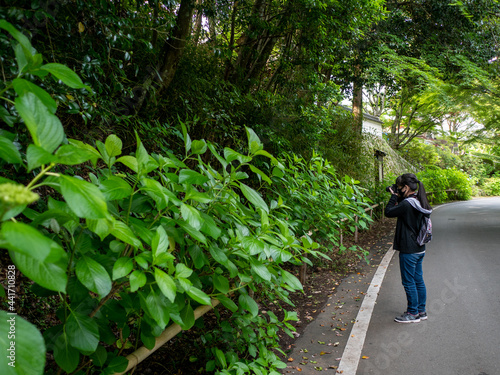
[
  {"x": 160, "y": 243},
  {"x": 87, "y": 148},
  {"x": 101, "y": 227},
  {"x": 187, "y": 317},
  {"x": 122, "y": 267},
  {"x": 260, "y": 174},
  {"x": 181, "y": 270},
  {"x": 260, "y": 269},
  {"x": 65, "y": 355},
  {"x": 221, "y": 283},
  {"x": 84, "y": 199},
  {"x": 188, "y": 176},
  {"x": 51, "y": 275},
  {"x": 28, "y": 352},
  {"x": 22, "y": 86},
  {"x": 192, "y": 216},
  {"x": 27, "y": 240},
  {"x": 113, "y": 145},
  {"x": 21, "y": 57},
  {"x": 228, "y": 303},
  {"x": 246, "y": 302},
  {"x": 166, "y": 284},
  {"x": 72, "y": 155},
  {"x": 253, "y": 246},
  {"x": 157, "y": 308},
  {"x": 37, "y": 156},
  {"x": 157, "y": 192},
  {"x": 137, "y": 280},
  {"x": 231, "y": 155},
  {"x": 197, "y": 235},
  {"x": 117, "y": 364},
  {"x": 254, "y": 143},
  {"x": 124, "y": 233},
  {"x": 66, "y": 75},
  {"x": 9, "y": 152},
  {"x": 45, "y": 128},
  {"x": 291, "y": 280},
  {"x": 115, "y": 188},
  {"x": 198, "y": 147},
  {"x": 20, "y": 37},
  {"x": 7, "y": 117},
  {"x": 253, "y": 197},
  {"x": 130, "y": 162},
  {"x": 221, "y": 357},
  {"x": 217, "y": 156},
  {"x": 199, "y": 296},
  {"x": 83, "y": 332},
  {"x": 93, "y": 276},
  {"x": 209, "y": 226}
]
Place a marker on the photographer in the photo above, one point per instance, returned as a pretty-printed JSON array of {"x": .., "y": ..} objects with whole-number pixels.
[{"x": 411, "y": 254}]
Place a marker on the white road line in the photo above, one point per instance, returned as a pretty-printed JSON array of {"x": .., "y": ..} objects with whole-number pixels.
[{"x": 352, "y": 352}]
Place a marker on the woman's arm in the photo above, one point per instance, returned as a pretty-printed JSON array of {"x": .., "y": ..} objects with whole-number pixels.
[{"x": 394, "y": 210}]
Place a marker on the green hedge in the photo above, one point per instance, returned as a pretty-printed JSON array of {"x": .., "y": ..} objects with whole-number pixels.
[{"x": 437, "y": 181}]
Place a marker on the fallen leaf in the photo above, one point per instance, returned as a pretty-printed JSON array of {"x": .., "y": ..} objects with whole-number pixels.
[{"x": 365, "y": 357}]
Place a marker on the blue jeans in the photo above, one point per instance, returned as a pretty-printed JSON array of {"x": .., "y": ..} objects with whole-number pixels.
[{"x": 412, "y": 278}]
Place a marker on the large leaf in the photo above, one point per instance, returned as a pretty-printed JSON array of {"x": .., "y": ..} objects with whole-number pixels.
[
  {"x": 248, "y": 303},
  {"x": 27, "y": 240},
  {"x": 23, "y": 347},
  {"x": 93, "y": 276},
  {"x": 113, "y": 145},
  {"x": 188, "y": 176},
  {"x": 22, "y": 86},
  {"x": 166, "y": 284},
  {"x": 66, "y": 75},
  {"x": 192, "y": 216},
  {"x": 44, "y": 127},
  {"x": 37, "y": 156},
  {"x": 260, "y": 269},
  {"x": 115, "y": 188},
  {"x": 291, "y": 280},
  {"x": 122, "y": 267},
  {"x": 160, "y": 243},
  {"x": 254, "y": 143},
  {"x": 20, "y": 37},
  {"x": 253, "y": 197},
  {"x": 84, "y": 199},
  {"x": 83, "y": 332},
  {"x": 73, "y": 155},
  {"x": 9, "y": 152},
  {"x": 123, "y": 232},
  {"x": 51, "y": 276},
  {"x": 65, "y": 355}
]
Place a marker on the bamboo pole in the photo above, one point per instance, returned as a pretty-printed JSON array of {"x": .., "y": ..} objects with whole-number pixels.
[{"x": 170, "y": 332}]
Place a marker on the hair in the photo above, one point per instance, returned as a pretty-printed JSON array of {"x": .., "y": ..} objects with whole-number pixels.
[{"x": 414, "y": 184}]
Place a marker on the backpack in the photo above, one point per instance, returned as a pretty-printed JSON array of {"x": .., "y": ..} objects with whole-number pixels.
[{"x": 425, "y": 233}]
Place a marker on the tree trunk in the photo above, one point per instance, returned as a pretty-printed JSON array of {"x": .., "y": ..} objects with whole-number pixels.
[
  {"x": 170, "y": 56},
  {"x": 357, "y": 104}
]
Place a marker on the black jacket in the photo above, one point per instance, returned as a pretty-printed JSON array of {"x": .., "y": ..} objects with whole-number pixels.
[{"x": 407, "y": 226}]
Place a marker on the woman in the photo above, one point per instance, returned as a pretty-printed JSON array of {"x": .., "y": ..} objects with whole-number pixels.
[{"x": 411, "y": 254}]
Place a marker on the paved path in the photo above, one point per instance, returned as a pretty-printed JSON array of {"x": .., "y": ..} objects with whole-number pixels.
[{"x": 462, "y": 334}]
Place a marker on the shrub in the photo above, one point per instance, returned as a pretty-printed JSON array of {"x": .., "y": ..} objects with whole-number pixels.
[{"x": 491, "y": 186}]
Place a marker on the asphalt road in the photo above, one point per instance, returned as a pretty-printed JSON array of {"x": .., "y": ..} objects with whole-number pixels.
[{"x": 462, "y": 274}]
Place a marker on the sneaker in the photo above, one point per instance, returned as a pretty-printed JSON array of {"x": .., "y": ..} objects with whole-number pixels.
[
  {"x": 423, "y": 315},
  {"x": 407, "y": 318}
]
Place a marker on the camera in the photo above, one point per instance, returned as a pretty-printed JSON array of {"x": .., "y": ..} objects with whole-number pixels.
[{"x": 394, "y": 188}]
